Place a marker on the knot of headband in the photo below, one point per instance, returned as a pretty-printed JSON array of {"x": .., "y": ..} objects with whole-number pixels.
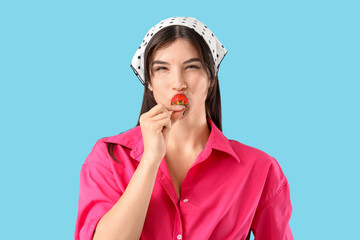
[{"x": 217, "y": 49}]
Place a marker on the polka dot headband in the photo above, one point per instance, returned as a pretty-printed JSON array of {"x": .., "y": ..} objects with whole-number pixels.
[{"x": 217, "y": 49}]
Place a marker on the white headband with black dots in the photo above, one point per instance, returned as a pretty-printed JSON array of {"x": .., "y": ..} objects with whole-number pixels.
[{"x": 217, "y": 49}]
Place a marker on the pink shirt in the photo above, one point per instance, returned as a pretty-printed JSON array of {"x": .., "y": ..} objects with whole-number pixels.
[{"x": 230, "y": 189}]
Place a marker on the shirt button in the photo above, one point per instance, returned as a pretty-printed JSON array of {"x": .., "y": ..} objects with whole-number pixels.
[
  {"x": 179, "y": 236},
  {"x": 185, "y": 200}
]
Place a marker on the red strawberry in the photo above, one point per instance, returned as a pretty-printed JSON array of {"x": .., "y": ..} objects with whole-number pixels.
[{"x": 180, "y": 99}]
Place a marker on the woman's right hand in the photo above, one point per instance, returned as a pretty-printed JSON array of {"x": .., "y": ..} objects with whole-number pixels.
[{"x": 155, "y": 128}]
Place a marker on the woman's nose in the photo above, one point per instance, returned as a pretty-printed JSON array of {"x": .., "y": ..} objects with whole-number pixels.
[{"x": 178, "y": 81}]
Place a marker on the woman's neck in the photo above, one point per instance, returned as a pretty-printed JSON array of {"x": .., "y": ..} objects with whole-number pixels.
[{"x": 188, "y": 134}]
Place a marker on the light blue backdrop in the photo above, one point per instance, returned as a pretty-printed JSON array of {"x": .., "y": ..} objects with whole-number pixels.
[{"x": 290, "y": 87}]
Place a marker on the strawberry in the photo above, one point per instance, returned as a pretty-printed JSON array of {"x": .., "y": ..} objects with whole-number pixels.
[{"x": 180, "y": 99}]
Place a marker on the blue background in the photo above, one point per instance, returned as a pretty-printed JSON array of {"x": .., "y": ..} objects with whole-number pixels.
[{"x": 289, "y": 84}]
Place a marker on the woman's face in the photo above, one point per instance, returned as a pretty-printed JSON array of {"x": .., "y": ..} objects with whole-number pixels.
[{"x": 176, "y": 68}]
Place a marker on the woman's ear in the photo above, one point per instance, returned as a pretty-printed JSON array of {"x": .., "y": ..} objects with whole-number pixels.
[{"x": 149, "y": 87}]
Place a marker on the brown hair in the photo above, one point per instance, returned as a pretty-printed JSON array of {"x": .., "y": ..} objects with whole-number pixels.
[{"x": 165, "y": 37}]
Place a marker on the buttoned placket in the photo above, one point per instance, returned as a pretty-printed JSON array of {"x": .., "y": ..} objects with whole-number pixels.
[
  {"x": 183, "y": 207},
  {"x": 164, "y": 178}
]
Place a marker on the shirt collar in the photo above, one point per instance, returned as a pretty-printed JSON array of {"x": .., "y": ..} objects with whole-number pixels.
[
  {"x": 218, "y": 141},
  {"x": 132, "y": 139}
]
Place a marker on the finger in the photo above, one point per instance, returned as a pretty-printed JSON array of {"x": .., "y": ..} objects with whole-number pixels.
[
  {"x": 166, "y": 129},
  {"x": 163, "y": 115},
  {"x": 157, "y": 109},
  {"x": 175, "y": 116},
  {"x": 162, "y": 108},
  {"x": 163, "y": 124},
  {"x": 175, "y": 108}
]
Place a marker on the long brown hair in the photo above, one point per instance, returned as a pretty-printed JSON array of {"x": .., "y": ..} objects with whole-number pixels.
[{"x": 165, "y": 37}]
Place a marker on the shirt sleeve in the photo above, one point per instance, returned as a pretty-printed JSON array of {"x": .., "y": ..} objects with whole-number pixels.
[
  {"x": 271, "y": 220},
  {"x": 98, "y": 191}
]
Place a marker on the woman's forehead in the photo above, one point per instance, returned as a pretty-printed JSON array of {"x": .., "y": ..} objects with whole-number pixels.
[{"x": 179, "y": 49}]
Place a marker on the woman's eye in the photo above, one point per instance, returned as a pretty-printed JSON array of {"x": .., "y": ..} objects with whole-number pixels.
[
  {"x": 194, "y": 66},
  {"x": 160, "y": 68}
]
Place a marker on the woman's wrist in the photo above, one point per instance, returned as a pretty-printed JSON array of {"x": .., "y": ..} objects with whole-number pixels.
[{"x": 151, "y": 159}]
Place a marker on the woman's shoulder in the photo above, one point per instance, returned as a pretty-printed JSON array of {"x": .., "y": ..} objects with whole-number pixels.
[
  {"x": 99, "y": 153},
  {"x": 257, "y": 158},
  {"x": 245, "y": 151},
  {"x": 128, "y": 138}
]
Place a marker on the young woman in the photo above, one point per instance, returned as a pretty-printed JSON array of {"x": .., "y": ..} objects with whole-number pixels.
[{"x": 175, "y": 175}]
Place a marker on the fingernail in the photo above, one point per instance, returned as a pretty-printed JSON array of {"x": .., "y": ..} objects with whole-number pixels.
[{"x": 180, "y": 106}]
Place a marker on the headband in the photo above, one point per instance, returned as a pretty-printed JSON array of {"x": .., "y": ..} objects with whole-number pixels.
[{"x": 217, "y": 49}]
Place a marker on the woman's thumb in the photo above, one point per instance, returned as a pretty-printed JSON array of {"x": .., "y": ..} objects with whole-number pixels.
[{"x": 176, "y": 115}]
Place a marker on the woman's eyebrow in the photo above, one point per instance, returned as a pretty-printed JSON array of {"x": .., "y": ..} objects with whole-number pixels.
[
  {"x": 192, "y": 60},
  {"x": 159, "y": 62},
  {"x": 166, "y": 63}
]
